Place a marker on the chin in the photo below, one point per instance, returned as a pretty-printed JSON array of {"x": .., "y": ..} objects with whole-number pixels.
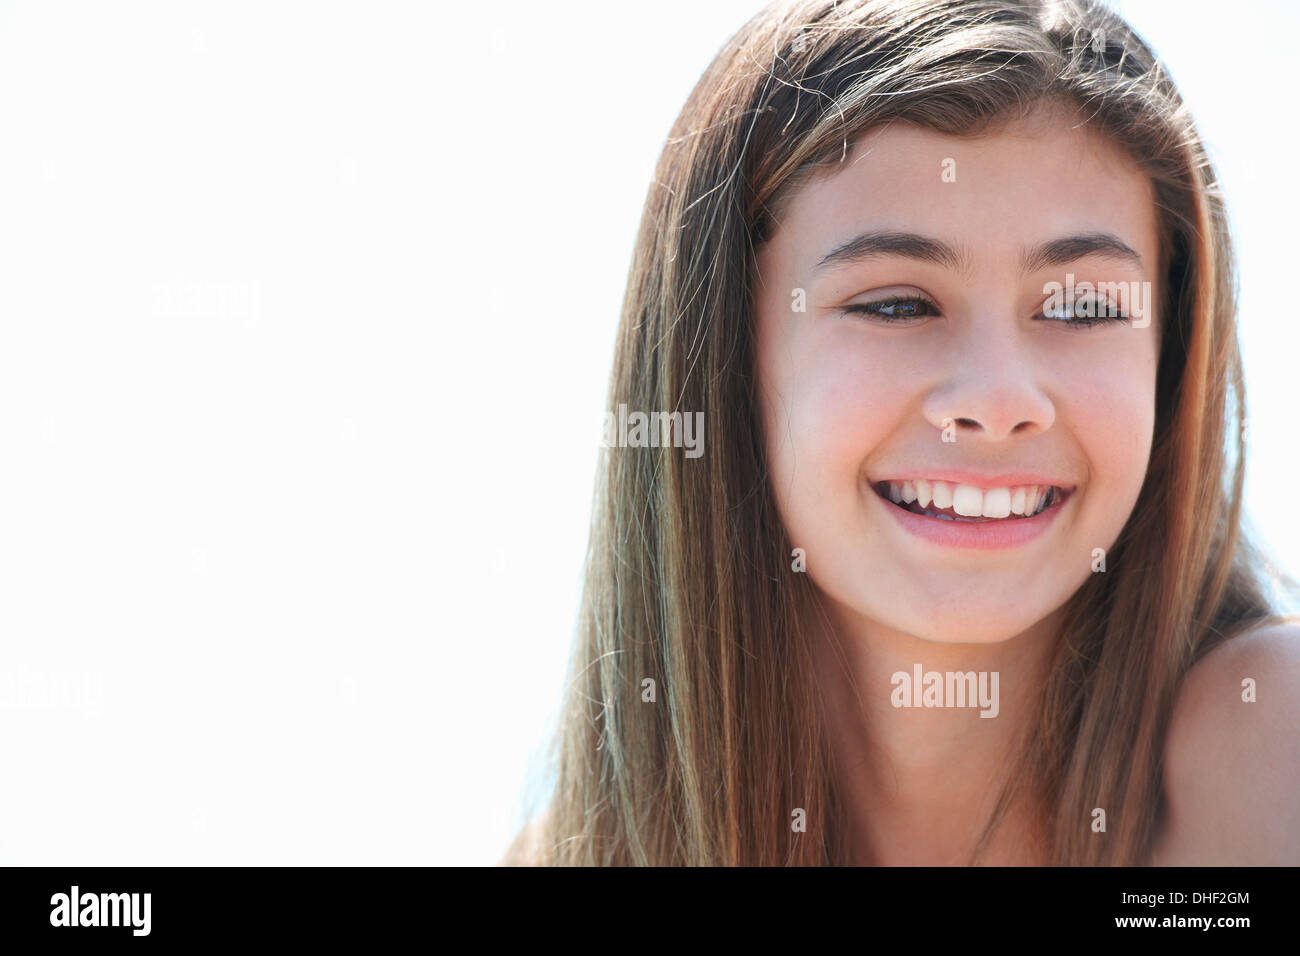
[
  {"x": 981, "y": 619},
  {"x": 965, "y": 630}
]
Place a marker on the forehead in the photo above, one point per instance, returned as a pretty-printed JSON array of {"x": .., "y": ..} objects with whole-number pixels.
[{"x": 994, "y": 194}]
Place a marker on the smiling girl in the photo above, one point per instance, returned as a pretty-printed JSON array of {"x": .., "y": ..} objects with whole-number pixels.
[{"x": 920, "y": 463}]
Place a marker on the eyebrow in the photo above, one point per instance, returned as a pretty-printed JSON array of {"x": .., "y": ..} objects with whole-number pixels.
[{"x": 909, "y": 245}]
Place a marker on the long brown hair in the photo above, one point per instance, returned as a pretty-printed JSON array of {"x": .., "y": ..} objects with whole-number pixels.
[{"x": 688, "y": 579}]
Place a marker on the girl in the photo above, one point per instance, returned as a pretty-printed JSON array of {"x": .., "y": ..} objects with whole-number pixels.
[{"x": 958, "y": 576}]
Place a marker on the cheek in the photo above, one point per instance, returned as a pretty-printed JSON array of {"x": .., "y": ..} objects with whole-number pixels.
[
  {"x": 828, "y": 408},
  {"x": 1107, "y": 406}
]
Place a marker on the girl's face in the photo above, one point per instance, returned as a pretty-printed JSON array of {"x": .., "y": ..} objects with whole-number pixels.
[{"x": 973, "y": 393}]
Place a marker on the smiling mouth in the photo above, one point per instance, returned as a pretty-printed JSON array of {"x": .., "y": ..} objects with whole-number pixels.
[{"x": 949, "y": 501}]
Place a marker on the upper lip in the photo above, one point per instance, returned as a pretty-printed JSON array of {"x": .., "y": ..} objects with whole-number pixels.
[{"x": 1005, "y": 479}]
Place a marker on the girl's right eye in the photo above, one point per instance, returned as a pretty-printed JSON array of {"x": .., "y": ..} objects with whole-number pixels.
[{"x": 895, "y": 308}]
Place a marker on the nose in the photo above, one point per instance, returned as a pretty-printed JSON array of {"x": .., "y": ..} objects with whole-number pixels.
[{"x": 991, "y": 390}]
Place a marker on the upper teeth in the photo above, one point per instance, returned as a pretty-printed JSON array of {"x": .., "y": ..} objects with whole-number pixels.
[{"x": 969, "y": 500}]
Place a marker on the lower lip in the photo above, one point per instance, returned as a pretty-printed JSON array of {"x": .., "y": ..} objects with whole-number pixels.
[{"x": 980, "y": 535}]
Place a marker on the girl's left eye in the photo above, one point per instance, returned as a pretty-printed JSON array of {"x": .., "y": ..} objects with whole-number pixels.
[
  {"x": 895, "y": 308},
  {"x": 1086, "y": 312}
]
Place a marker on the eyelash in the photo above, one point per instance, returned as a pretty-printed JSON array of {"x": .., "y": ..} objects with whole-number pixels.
[{"x": 867, "y": 309}]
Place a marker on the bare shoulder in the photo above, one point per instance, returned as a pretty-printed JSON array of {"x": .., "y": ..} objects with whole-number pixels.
[
  {"x": 526, "y": 850},
  {"x": 1232, "y": 756}
]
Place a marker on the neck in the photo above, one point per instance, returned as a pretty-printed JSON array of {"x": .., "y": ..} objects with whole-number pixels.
[{"x": 921, "y": 781}]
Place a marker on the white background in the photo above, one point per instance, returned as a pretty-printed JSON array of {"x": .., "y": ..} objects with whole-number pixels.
[{"x": 306, "y": 316}]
